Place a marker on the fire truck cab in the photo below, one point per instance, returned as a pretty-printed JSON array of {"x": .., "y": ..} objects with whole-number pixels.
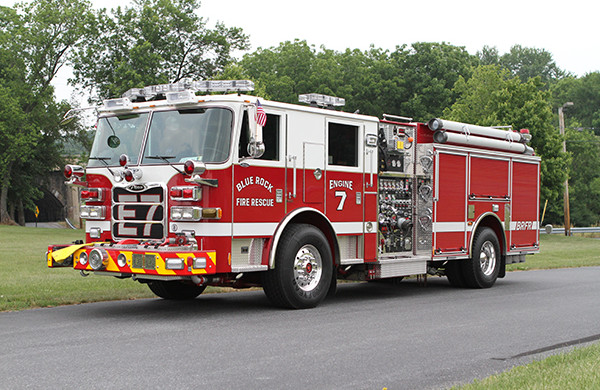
[{"x": 184, "y": 190}]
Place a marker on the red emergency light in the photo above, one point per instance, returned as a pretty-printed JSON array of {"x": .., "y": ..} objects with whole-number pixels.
[
  {"x": 73, "y": 170},
  {"x": 92, "y": 194},
  {"x": 128, "y": 174}
]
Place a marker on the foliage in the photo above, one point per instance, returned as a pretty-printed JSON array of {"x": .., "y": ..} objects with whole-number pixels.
[
  {"x": 415, "y": 80},
  {"x": 35, "y": 41},
  {"x": 584, "y": 178},
  {"x": 159, "y": 41},
  {"x": 429, "y": 72},
  {"x": 582, "y": 122},
  {"x": 493, "y": 97},
  {"x": 584, "y": 92},
  {"x": 153, "y": 42},
  {"x": 524, "y": 62}
]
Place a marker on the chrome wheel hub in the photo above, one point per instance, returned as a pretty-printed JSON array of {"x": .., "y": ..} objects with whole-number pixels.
[
  {"x": 308, "y": 268},
  {"x": 487, "y": 258}
]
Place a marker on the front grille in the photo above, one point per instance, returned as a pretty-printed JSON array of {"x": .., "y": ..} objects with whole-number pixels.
[{"x": 138, "y": 212}]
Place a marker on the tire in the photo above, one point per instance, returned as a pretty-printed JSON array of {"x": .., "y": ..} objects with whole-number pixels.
[
  {"x": 303, "y": 269},
  {"x": 333, "y": 285},
  {"x": 454, "y": 273},
  {"x": 175, "y": 290},
  {"x": 481, "y": 271}
]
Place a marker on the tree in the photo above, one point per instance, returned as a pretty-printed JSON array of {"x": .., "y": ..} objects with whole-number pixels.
[
  {"x": 429, "y": 72},
  {"x": 584, "y": 177},
  {"x": 36, "y": 40},
  {"x": 582, "y": 122},
  {"x": 413, "y": 81},
  {"x": 584, "y": 92},
  {"x": 493, "y": 97},
  {"x": 285, "y": 71},
  {"x": 154, "y": 42},
  {"x": 524, "y": 62}
]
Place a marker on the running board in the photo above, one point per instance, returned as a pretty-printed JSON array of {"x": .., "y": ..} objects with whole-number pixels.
[{"x": 393, "y": 267}]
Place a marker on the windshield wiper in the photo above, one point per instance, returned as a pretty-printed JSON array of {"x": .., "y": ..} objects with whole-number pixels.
[
  {"x": 103, "y": 160},
  {"x": 166, "y": 159}
]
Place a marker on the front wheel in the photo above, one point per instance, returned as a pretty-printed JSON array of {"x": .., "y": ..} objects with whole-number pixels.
[
  {"x": 175, "y": 290},
  {"x": 481, "y": 271},
  {"x": 303, "y": 269}
]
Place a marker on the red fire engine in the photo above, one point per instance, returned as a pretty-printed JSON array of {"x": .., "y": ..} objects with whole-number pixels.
[{"x": 183, "y": 191}]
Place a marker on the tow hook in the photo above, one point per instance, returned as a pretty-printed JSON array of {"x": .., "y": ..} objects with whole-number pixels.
[{"x": 83, "y": 273}]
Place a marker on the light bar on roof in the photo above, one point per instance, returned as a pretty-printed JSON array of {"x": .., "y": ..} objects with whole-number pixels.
[
  {"x": 182, "y": 97},
  {"x": 222, "y": 85},
  {"x": 151, "y": 91},
  {"x": 319, "y": 100},
  {"x": 119, "y": 104}
]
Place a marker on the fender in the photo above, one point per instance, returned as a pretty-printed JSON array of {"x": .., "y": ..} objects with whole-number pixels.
[
  {"x": 283, "y": 224},
  {"x": 476, "y": 226}
]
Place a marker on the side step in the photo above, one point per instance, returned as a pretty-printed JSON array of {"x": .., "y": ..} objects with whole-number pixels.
[{"x": 400, "y": 266}]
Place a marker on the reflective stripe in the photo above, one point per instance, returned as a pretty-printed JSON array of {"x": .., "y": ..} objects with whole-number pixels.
[
  {"x": 524, "y": 225},
  {"x": 446, "y": 227},
  {"x": 348, "y": 227},
  {"x": 254, "y": 229}
]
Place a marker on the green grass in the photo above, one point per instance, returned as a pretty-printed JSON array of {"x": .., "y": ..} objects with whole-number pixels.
[
  {"x": 558, "y": 251},
  {"x": 27, "y": 282},
  {"x": 578, "y": 369}
]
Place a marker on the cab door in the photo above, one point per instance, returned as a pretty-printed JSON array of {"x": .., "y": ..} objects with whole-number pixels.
[
  {"x": 259, "y": 183},
  {"x": 305, "y": 161},
  {"x": 344, "y": 186}
]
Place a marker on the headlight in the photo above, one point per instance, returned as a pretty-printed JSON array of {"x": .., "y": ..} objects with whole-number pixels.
[
  {"x": 98, "y": 259},
  {"x": 174, "y": 263},
  {"x": 186, "y": 213},
  {"x": 92, "y": 212},
  {"x": 121, "y": 260},
  {"x": 83, "y": 258}
]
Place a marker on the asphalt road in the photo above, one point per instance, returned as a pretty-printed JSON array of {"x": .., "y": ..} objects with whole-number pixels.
[{"x": 369, "y": 336}]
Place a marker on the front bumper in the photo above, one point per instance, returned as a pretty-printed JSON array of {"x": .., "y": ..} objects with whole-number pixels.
[{"x": 133, "y": 259}]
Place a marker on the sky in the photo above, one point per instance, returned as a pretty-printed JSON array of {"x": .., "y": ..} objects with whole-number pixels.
[{"x": 568, "y": 30}]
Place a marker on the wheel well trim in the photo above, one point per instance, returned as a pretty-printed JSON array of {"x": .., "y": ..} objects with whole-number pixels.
[
  {"x": 500, "y": 224},
  {"x": 287, "y": 220}
]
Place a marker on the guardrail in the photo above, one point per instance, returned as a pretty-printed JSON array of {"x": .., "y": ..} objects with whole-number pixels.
[{"x": 554, "y": 230}]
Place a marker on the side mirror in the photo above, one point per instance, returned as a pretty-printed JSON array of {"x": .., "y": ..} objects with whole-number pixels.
[{"x": 256, "y": 148}]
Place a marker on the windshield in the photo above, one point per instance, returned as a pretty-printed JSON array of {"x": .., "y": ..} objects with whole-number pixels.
[
  {"x": 117, "y": 135},
  {"x": 198, "y": 133}
]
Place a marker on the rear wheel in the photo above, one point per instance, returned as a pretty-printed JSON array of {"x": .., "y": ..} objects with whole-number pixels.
[
  {"x": 303, "y": 269},
  {"x": 481, "y": 271},
  {"x": 175, "y": 290}
]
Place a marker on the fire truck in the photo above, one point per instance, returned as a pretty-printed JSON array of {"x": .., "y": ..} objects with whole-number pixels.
[{"x": 196, "y": 183}]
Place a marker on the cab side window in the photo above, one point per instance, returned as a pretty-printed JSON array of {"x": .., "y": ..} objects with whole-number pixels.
[
  {"x": 342, "y": 145},
  {"x": 270, "y": 137}
]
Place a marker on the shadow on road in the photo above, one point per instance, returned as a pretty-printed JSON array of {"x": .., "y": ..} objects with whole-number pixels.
[{"x": 255, "y": 302}]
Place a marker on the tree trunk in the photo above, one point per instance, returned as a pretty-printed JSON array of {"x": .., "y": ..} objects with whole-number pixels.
[
  {"x": 5, "y": 218},
  {"x": 20, "y": 213}
]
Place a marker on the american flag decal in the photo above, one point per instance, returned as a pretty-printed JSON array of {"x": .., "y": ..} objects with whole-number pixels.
[{"x": 261, "y": 117}]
